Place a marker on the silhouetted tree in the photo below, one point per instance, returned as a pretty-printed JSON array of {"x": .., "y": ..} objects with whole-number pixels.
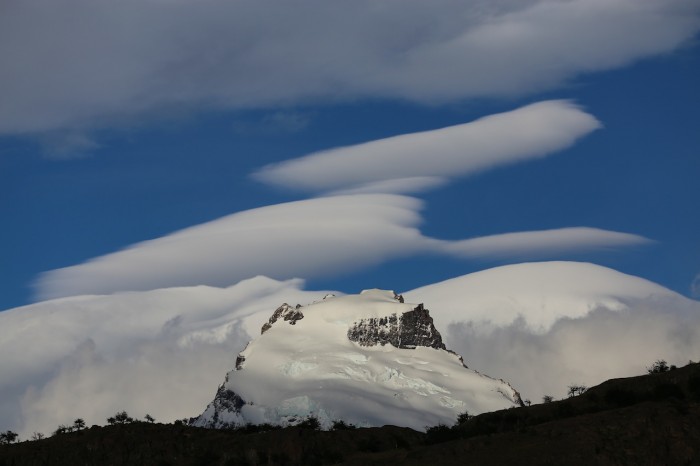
[
  {"x": 120, "y": 418},
  {"x": 310, "y": 422},
  {"x": 62, "y": 429},
  {"x": 79, "y": 424},
  {"x": 464, "y": 417},
  {"x": 575, "y": 390},
  {"x": 37, "y": 436},
  {"x": 342, "y": 425},
  {"x": 658, "y": 367},
  {"x": 7, "y": 437},
  {"x": 150, "y": 419},
  {"x": 547, "y": 399}
]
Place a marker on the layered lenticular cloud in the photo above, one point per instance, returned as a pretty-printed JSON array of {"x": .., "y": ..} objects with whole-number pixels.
[
  {"x": 532, "y": 244},
  {"x": 529, "y": 132},
  {"x": 297, "y": 239},
  {"x": 116, "y": 61},
  {"x": 307, "y": 239}
]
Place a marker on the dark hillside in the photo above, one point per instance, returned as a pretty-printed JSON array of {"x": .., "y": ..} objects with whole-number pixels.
[{"x": 651, "y": 419}]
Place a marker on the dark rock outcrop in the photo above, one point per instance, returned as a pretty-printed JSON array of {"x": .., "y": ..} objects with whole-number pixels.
[
  {"x": 286, "y": 313},
  {"x": 225, "y": 401},
  {"x": 408, "y": 330}
]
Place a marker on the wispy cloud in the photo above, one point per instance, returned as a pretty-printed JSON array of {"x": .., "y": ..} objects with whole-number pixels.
[
  {"x": 116, "y": 61},
  {"x": 529, "y": 132},
  {"x": 695, "y": 287}
]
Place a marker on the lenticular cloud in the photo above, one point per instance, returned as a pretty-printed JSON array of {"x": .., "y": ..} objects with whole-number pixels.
[
  {"x": 530, "y": 132},
  {"x": 116, "y": 61},
  {"x": 297, "y": 239},
  {"x": 304, "y": 239}
]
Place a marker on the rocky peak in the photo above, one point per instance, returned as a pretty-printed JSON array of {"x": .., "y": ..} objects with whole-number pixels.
[
  {"x": 286, "y": 313},
  {"x": 407, "y": 330}
]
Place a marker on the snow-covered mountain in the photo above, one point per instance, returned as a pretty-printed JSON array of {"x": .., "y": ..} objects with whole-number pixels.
[
  {"x": 540, "y": 326},
  {"x": 368, "y": 359}
]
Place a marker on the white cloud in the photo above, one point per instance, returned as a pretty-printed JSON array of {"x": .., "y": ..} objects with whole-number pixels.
[
  {"x": 529, "y": 132},
  {"x": 310, "y": 238},
  {"x": 79, "y": 64},
  {"x": 539, "y": 244},
  {"x": 413, "y": 184}
]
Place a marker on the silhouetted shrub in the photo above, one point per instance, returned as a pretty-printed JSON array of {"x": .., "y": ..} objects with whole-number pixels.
[
  {"x": 441, "y": 433},
  {"x": 658, "y": 367},
  {"x": 342, "y": 425},
  {"x": 547, "y": 399},
  {"x": 464, "y": 417},
  {"x": 7, "y": 437},
  {"x": 310, "y": 422},
  {"x": 575, "y": 390}
]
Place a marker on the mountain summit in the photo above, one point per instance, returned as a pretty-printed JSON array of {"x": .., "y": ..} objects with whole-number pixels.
[{"x": 367, "y": 359}]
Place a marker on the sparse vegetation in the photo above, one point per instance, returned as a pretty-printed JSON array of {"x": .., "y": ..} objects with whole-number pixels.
[
  {"x": 576, "y": 390},
  {"x": 79, "y": 424},
  {"x": 122, "y": 417},
  {"x": 661, "y": 366},
  {"x": 310, "y": 422},
  {"x": 464, "y": 417},
  {"x": 342, "y": 425}
]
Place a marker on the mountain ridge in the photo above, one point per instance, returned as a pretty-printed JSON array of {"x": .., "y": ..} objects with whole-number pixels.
[{"x": 372, "y": 348}]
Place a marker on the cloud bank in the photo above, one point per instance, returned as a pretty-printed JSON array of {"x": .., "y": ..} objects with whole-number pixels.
[
  {"x": 81, "y": 64},
  {"x": 309, "y": 238},
  {"x": 533, "y": 131}
]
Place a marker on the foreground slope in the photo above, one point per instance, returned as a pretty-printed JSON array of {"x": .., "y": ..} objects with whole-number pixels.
[
  {"x": 644, "y": 420},
  {"x": 368, "y": 359}
]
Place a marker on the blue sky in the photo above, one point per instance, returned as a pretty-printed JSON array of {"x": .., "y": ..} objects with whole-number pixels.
[{"x": 97, "y": 154}]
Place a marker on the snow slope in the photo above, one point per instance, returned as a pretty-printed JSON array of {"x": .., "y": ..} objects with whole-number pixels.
[
  {"x": 539, "y": 293},
  {"x": 313, "y": 368},
  {"x": 547, "y": 325}
]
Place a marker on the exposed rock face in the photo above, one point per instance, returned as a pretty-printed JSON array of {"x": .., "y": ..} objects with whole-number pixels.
[
  {"x": 226, "y": 402},
  {"x": 408, "y": 330},
  {"x": 285, "y": 312}
]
